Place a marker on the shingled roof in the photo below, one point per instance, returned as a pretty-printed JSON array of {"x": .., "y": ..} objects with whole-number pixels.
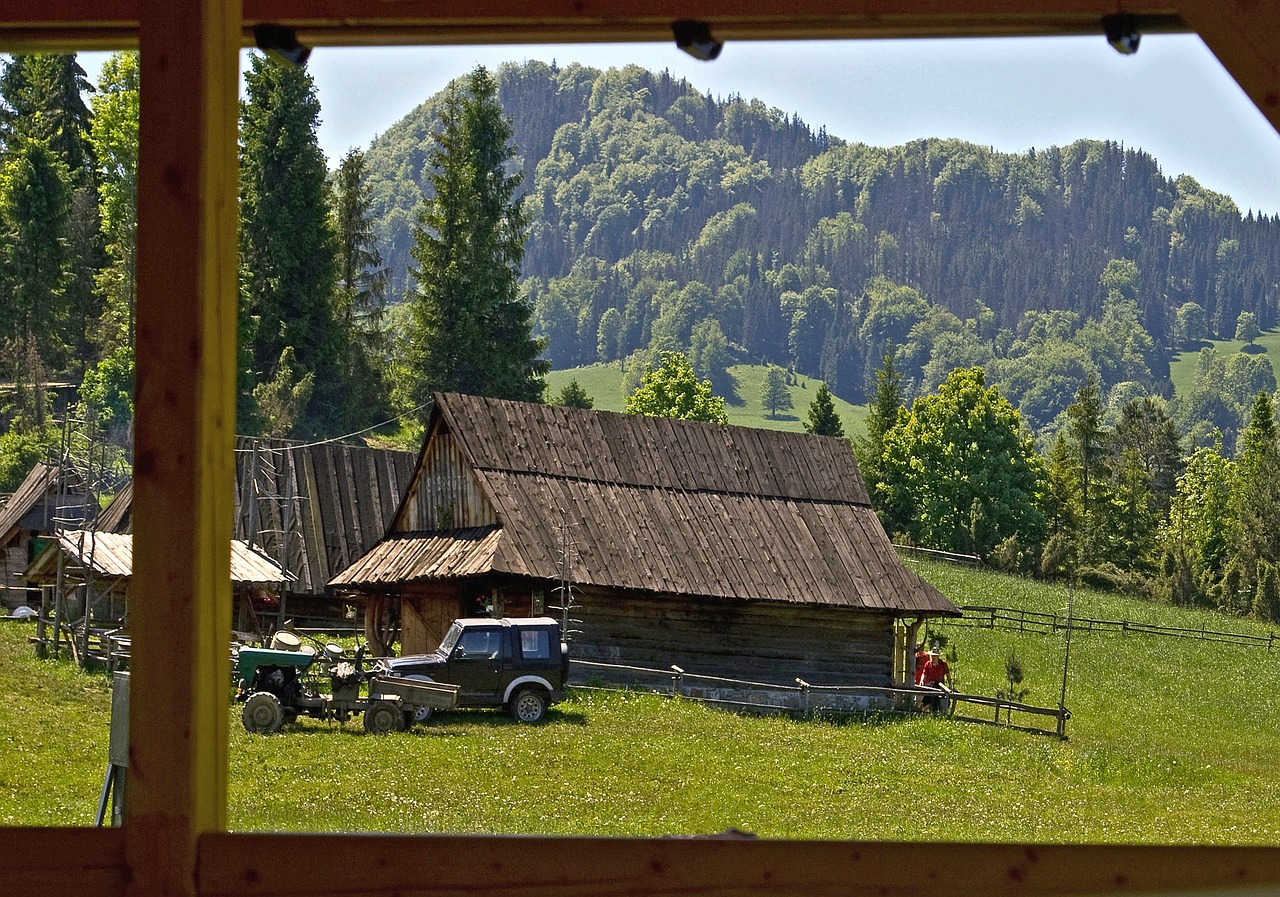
[
  {"x": 652, "y": 504},
  {"x": 40, "y": 492},
  {"x": 110, "y": 555}
]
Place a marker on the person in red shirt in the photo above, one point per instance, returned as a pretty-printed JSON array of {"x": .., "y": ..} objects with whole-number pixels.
[
  {"x": 934, "y": 675},
  {"x": 934, "y": 671}
]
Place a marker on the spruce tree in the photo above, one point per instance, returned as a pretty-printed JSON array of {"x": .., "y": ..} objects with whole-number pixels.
[
  {"x": 823, "y": 419},
  {"x": 41, "y": 100},
  {"x": 35, "y": 259},
  {"x": 886, "y": 401},
  {"x": 774, "y": 395},
  {"x": 471, "y": 327},
  {"x": 287, "y": 248},
  {"x": 361, "y": 293}
]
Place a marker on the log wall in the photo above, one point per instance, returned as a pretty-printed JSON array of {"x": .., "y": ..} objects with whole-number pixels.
[{"x": 740, "y": 640}]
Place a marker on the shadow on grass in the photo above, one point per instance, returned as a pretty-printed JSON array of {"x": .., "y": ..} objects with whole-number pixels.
[
  {"x": 727, "y": 385},
  {"x": 1253, "y": 349}
]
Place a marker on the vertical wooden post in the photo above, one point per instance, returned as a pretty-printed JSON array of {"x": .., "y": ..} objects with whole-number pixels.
[{"x": 180, "y": 597}]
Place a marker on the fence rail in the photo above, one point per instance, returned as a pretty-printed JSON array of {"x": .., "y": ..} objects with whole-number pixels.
[
  {"x": 1019, "y": 620},
  {"x": 805, "y": 699}
]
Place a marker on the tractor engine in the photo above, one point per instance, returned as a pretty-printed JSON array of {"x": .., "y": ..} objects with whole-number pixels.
[
  {"x": 345, "y": 679},
  {"x": 280, "y": 681}
]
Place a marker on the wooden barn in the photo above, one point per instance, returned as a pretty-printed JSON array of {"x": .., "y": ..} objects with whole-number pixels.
[
  {"x": 52, "y": 496},
  {"x": 726, "y": 550}
]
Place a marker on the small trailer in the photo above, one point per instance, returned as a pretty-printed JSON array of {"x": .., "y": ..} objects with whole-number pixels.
[{"x": 279, "y": 684}]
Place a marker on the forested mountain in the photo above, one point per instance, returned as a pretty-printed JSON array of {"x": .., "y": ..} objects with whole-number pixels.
[{"x": 661, "y": 215}]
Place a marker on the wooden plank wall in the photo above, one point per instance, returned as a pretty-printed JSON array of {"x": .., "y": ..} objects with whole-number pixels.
[
  {"x": 741, "y": 640},
  {"x": 447, "y": 495},
  {"x": 335, "y": 501},
  {"x": 426, "y": 611}
]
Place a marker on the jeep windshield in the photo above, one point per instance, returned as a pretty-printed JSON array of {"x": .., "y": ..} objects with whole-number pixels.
[{"x": 450, "y": 638}]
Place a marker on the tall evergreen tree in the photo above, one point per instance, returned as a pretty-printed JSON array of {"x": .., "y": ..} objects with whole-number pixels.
[
  {"x": 41, "y": 96},
  {"x": 886, "y": 401},
  {"x": 35, "y": 214},
  {"x": 1084, "y": 426},
  {"x": 287, "y": 249},
  {"x": 41, "y": 100},
  {"x": 823, "y": 419},
  {"x": 1257, "y": 508},
  {"x": 774, "y": 395},
  {"x": 362, "y": 287},
  {"x": 471, "y": 327}
]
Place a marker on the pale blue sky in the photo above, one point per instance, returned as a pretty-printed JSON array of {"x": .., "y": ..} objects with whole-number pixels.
[{"x": 1171, "y": 99}]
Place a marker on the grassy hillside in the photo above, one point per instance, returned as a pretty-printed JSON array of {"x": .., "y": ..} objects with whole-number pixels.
[
  {"x": 1183, "y": 367},
  {"x": 603, "y": 382},
  {"x": 1171, "y": 741}
]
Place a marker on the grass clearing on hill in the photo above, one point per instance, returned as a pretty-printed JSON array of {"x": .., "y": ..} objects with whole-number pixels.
[
  {"x": 603, "y": 382},
  {"x": 1182, "y": 368},
  {"x": 1171, "y": 741}
]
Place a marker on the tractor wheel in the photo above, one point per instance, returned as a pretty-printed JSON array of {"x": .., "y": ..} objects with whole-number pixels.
[
  {"x": 383, "y": 717},
  {"x": 262, "y": 713},
  {"x": 529, "y": 704}
]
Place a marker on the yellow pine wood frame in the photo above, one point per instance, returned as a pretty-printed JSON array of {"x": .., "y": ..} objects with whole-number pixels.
[{"x": 174, "y": 839}]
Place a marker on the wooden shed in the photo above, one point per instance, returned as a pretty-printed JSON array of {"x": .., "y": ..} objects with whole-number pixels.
[
  {"x": 51, "y": 496},
  {"x": 98, "y": 565},
  {"x": 312, "y": 508},
  {"x": 727, "y": 550}
]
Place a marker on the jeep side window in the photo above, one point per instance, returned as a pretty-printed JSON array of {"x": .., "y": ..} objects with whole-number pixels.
[
  {"x": 480, "y": 643},
  {"x": 534, "y": 644}
]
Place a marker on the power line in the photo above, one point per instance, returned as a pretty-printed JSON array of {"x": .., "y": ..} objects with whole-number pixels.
[{"x": 302, "y": 445}]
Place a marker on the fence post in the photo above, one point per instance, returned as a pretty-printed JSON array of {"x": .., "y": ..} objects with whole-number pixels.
[
  {"x": 804, "y": 695},
  {"x": 677, "y": 681}
]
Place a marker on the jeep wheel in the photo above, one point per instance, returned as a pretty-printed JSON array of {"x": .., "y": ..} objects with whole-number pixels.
[
  {"x": 383, "y": 717},
  {"x": 262, "y": 713},
  {"x": 529, "y": 705},
  {"x": 418, "y": 714}
]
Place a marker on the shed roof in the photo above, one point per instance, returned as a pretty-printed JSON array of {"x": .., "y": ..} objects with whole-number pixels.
[
  {"x": 658, "y": 505},
  {"x": 42, "y": 484},
  {"x": 110, "y": 555}
]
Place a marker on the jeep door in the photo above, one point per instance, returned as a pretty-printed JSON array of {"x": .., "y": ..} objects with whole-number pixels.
[{"x": 475, "y": 665}]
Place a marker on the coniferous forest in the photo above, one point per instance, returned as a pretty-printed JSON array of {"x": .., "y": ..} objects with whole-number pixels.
[{"x": 1009, "y": 319}]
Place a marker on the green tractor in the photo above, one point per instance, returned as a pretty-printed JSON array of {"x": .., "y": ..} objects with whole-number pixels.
[{"x": 279, "y": 684}]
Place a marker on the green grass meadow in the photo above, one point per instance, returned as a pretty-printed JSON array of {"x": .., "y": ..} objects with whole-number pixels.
[
  {"x": 1170, "y": 741},
  {"x": 603, "y": 382},
  {"x": 1182, "y": 368}
]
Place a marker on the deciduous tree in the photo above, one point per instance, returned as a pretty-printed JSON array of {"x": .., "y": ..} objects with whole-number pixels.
[
  {"x": 962, "y": 461},
  {"x": 672, "y": 389}
]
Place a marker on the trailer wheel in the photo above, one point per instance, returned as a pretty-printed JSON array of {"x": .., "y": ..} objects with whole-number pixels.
[
  {"x": 262, "y": 713},
  {"x": 529, "y": 704},
  {"x": 383, "y": 717}
]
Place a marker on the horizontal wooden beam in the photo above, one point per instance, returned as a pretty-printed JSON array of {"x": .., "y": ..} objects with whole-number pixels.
[
  {"x": 84, "y": 24},
  {"x": 75, "y": 862}
]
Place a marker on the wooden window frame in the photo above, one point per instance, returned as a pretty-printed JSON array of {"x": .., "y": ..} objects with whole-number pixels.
[{"x": 174, "y": 839}]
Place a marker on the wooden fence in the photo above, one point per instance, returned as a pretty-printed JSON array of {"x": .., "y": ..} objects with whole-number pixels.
[
  {"x": 1019, "y": 620},
  {"x": 806, "y": 700}
]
